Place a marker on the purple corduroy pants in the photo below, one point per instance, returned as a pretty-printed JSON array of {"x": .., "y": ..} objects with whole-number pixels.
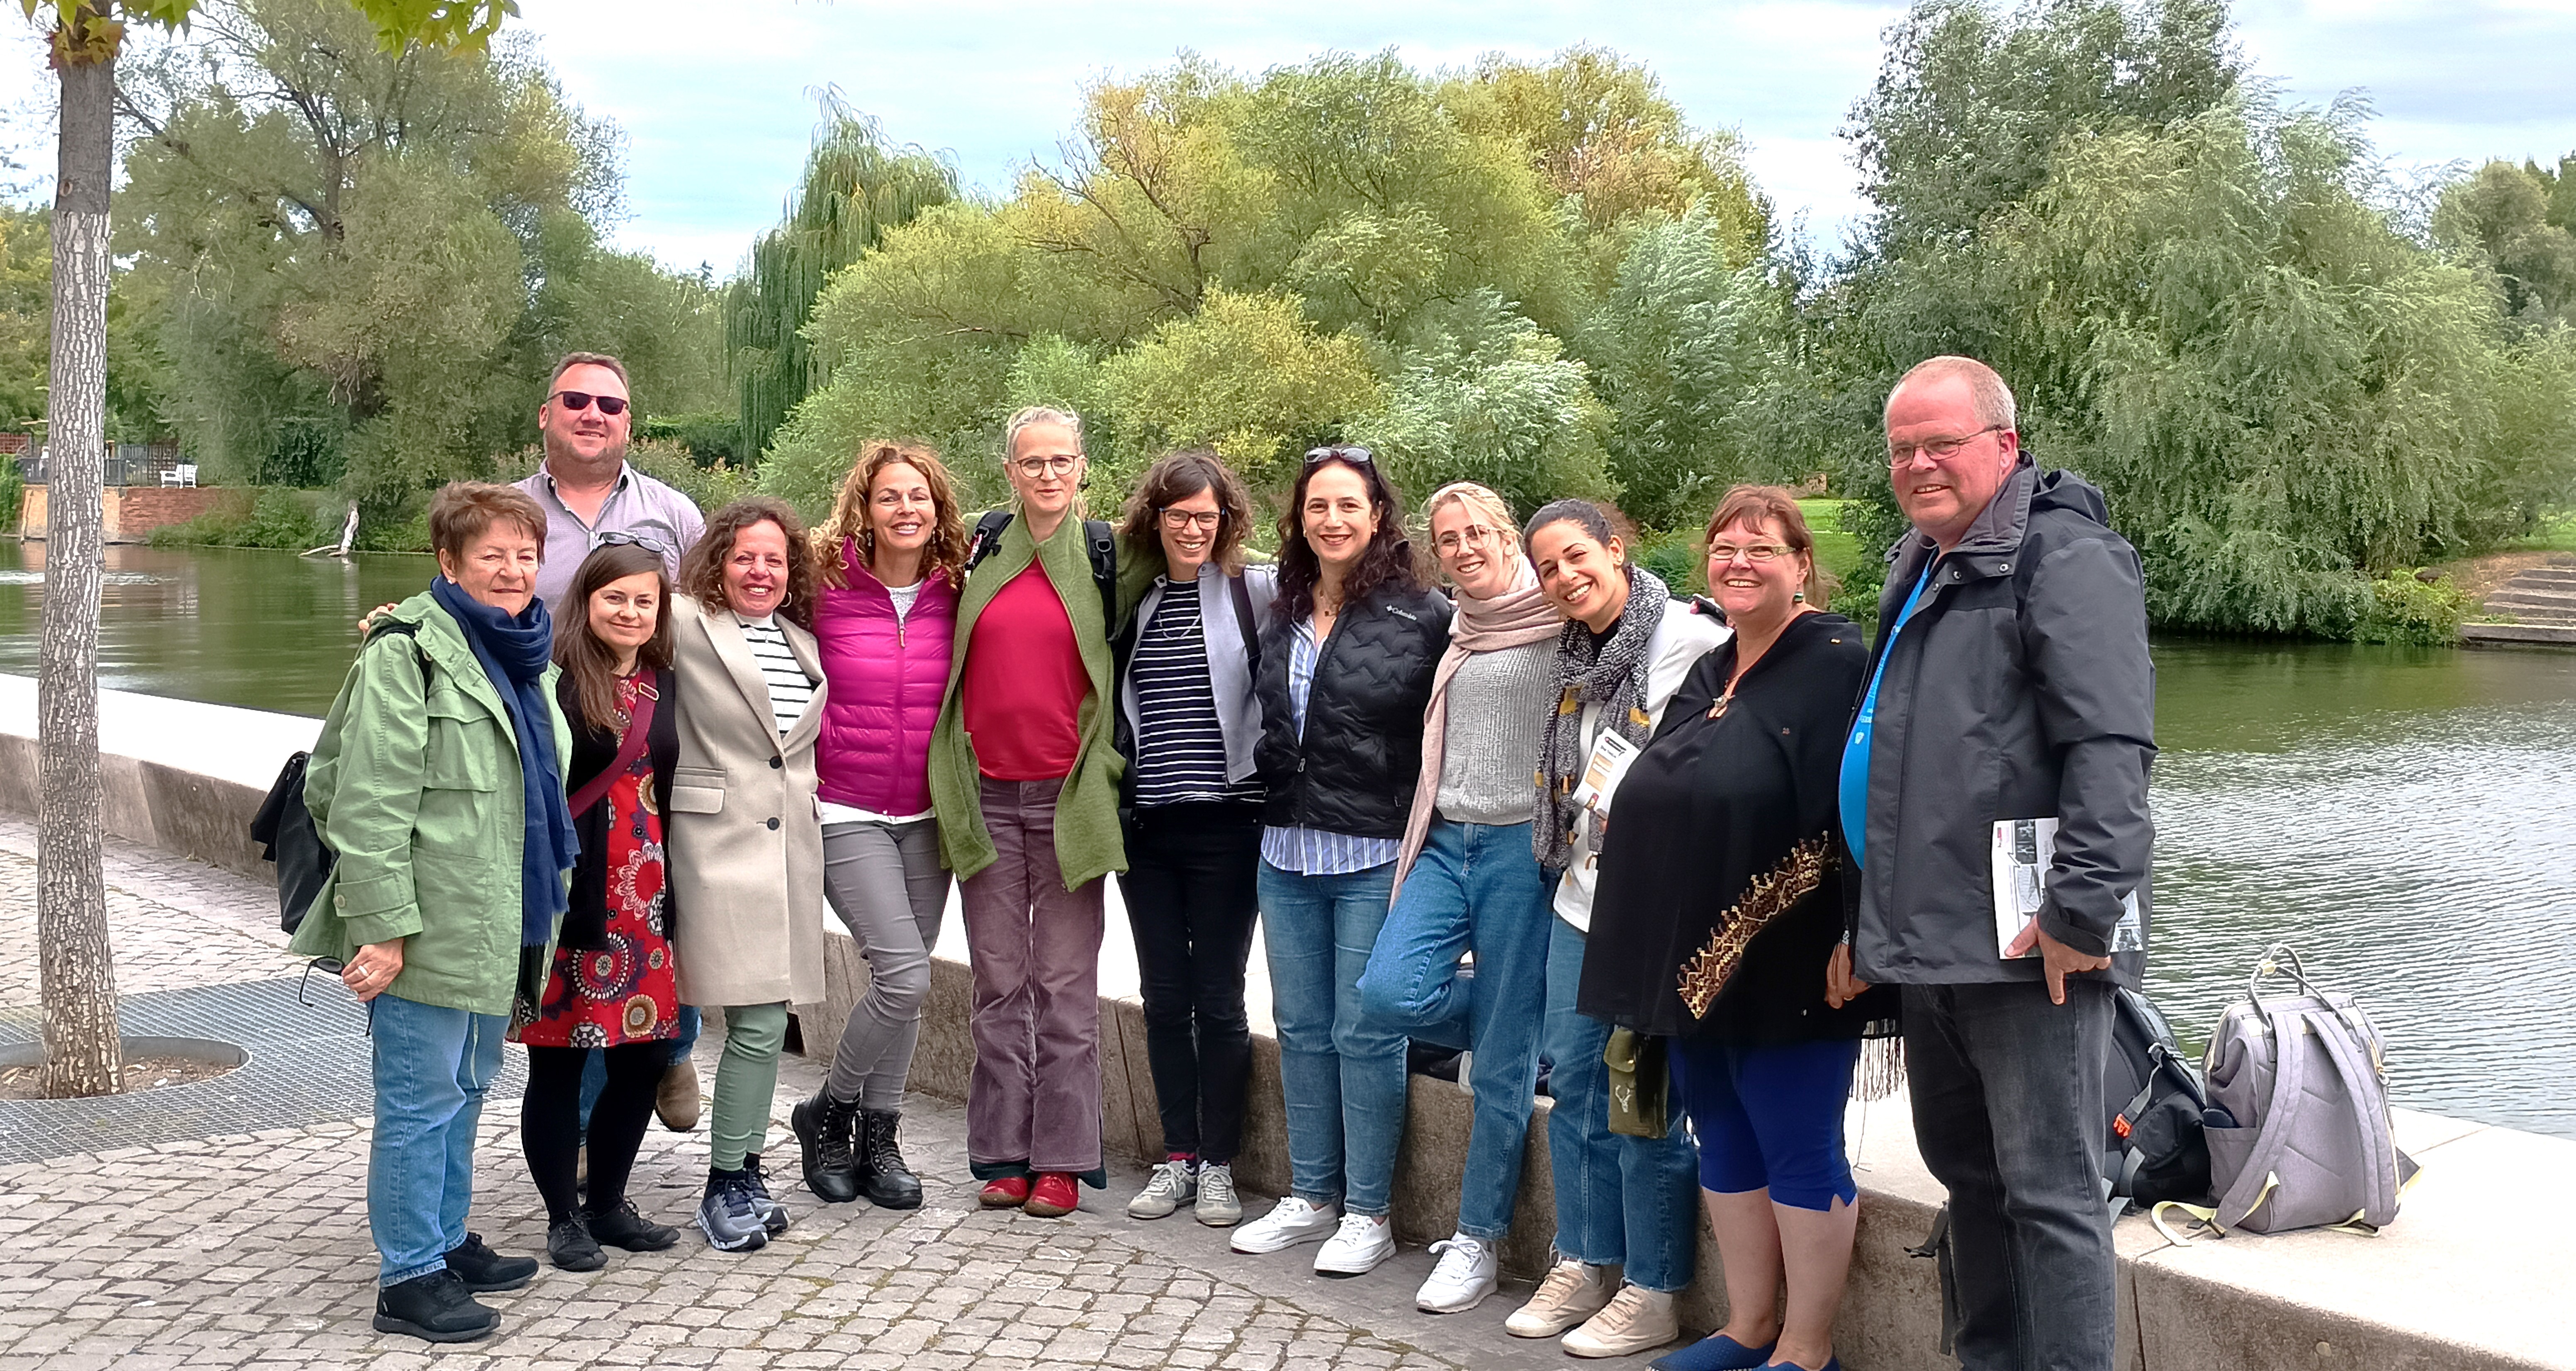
[{"x": 1035, "y": 950}]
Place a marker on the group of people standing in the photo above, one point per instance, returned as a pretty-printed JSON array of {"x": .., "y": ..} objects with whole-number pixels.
[{"x": 1408, "y": 786}]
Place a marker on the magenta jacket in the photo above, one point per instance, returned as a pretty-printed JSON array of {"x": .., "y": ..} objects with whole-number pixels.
[{"x": 885, "y": 682}]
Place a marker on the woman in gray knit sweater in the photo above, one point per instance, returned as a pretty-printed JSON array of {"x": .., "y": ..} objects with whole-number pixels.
[{"x": 1467, "y": 880}]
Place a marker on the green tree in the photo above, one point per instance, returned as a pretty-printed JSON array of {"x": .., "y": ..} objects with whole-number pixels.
[
  {"x": 2514, "y": 222},
  {"x": 83, "y": 1053},
  {"x": 856, "y": 186},
  {"x": 1493, "y": 400},
  {"x": 26, "y": 280}
]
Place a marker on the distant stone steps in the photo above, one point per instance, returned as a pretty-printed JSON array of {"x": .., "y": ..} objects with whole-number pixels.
[{"x": 2541, "y": 602}]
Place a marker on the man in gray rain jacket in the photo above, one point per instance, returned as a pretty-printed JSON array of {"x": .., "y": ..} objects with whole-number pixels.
[{"x": 2010, "y": 682}]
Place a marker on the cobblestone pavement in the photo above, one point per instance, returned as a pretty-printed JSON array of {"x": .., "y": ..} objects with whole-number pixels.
[{"x": 252, "y": 1250}]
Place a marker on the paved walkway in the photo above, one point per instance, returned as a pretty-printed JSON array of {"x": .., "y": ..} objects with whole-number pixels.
[{"x": 251, "y": 1249}]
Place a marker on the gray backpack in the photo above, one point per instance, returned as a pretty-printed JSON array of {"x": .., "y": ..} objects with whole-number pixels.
[{"x": 2304, "y": 1076}]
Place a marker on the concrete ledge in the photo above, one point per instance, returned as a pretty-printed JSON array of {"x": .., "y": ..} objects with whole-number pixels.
[
  {"x": 2474, "y": 1274},
  {"x": 2518, "y": 635}
]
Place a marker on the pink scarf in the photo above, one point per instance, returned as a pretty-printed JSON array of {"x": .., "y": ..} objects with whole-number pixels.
[{"x": 1516, "y": 618}]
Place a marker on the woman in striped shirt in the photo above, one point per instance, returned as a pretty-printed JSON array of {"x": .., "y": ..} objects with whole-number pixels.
[
  {"x": 1187, "y": 722},
  {"x": 746, "y": 847}
]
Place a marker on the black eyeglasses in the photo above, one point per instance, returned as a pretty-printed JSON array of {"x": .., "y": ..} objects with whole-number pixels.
[
  {"x": 578, "y": 400},
  {"x": 1358, "y": 455},
  {"x": 615, "y": 538}
]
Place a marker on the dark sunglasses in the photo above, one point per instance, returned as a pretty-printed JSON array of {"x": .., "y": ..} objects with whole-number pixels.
[
  {"x": 614, "y": 538},
  {"x": 577, "y": 401},
  {"x": 1317, "y": 456}
]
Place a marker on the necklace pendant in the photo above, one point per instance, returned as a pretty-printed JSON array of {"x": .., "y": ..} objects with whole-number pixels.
[{"x": 1718, "y": 710}]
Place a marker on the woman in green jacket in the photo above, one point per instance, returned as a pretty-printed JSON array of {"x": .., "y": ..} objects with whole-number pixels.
[
  {"x": 1024, "y": 777},
  {"x": 439, "y": 782}
]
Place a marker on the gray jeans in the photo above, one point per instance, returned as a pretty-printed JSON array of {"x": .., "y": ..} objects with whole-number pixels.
[
  {"x": 885, "y": 882},
  {"x": 2009, "y": 1115}
]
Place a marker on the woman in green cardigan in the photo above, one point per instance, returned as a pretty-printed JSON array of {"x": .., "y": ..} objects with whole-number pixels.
[
  {"x": 1025, "y": 779},
  {"x": 439, "y": 782}
]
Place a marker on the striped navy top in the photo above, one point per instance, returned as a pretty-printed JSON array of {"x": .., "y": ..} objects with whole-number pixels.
[
  {"x": 789, "y": 691},
  {"x": 1180, "y": 745}
]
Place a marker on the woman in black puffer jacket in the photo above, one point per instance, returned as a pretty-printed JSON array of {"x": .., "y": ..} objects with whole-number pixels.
[{"x": 1347, "y": 657}]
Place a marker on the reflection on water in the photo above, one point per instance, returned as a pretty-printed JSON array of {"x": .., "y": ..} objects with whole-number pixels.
[{"x": 2405, "y": 818}]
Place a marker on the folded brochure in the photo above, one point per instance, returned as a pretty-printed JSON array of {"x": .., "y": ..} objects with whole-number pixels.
[{"x": 2022, "y": 852}]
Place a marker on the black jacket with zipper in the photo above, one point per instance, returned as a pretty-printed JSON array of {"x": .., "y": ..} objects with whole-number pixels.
[
  {"x": 1354, "y": 768},
  {"x": 2020, "y": 689}
]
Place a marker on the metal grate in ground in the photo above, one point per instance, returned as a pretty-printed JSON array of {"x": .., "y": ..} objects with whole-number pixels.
[{"x": 309, "y": 1063}]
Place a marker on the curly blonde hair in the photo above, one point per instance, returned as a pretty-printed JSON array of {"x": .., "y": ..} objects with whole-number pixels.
[{"x": 946, "y": 552}]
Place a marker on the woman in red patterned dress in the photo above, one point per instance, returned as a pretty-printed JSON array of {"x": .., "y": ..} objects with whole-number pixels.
[{"x": 611, "y": 986}]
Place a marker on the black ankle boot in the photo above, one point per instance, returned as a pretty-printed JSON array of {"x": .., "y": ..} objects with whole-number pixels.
[
  {"x": 889, "y": 1183},
  {"x": 824, "y": 1127},
  {"x": 434, "y": 1308}
]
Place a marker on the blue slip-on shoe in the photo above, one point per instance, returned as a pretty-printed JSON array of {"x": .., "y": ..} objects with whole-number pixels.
[{"x": 1716, "y": 1352}]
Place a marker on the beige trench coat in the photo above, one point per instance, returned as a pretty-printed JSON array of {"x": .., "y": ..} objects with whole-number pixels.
[{"x": 745, "y": 839}]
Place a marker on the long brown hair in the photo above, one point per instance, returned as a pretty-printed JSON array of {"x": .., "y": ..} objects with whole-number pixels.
[
  {"x": 946, "y": 552},
  {"x": 702, "y": 571},
  {"x": 1389, "y": 559},
  {"x": 591, "y": 664},
  {"x": 1175, "y": 478}
]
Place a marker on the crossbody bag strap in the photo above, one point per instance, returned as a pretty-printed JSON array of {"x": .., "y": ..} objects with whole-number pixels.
[{"x": 639, "y": 735}]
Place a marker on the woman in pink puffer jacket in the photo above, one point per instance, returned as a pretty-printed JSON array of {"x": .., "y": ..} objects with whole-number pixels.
[{"x": 888, "y": 566}]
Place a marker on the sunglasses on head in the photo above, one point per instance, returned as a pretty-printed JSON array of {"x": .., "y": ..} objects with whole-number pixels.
[
  {"x": 1356, "y": 455},
  {"x": 613, "y": 538},
  {"x": 577, "y": 400}
]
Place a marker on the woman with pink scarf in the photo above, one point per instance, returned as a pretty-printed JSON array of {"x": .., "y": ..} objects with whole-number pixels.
[{"x": 1466, "y": 880}]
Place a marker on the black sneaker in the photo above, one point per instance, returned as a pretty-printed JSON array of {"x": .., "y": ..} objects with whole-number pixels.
[
  {"x": 889, "y": 1183},
  {"x": 773, "y": 1215},
  {"x": 484, "y": 1270},
  {"x": 623, "y": 1227},
  {"x": 433, "y": 1308},
  {"x": 570, "y": 1246}
]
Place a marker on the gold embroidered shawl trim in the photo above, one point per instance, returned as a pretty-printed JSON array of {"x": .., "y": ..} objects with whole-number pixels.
[{"x": 1766, "y": 898}]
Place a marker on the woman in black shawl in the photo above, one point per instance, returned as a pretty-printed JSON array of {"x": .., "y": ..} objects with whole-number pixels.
[{"x": 1719, "y": 907}]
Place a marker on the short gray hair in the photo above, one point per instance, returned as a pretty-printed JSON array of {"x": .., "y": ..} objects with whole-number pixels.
[
  {"x": 1033, "y": 416},
  {"x": 1986, "y": 388}
]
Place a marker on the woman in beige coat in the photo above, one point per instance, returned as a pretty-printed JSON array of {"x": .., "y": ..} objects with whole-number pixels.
[{"x": 746, "y": 843}]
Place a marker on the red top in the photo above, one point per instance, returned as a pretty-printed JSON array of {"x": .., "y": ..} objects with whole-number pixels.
[{"x": 1025, "y": 683}]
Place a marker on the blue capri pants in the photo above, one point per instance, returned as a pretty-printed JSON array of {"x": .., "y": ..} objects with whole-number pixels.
[{"x": 1769, "y": 1117}]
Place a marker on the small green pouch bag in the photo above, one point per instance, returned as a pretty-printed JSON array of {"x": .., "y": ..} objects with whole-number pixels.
[{"x": 1640, "y": 1087}]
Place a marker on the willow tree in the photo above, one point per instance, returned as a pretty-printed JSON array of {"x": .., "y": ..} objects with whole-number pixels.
[
  {"x": 856, "y": 186},
  {"x": 82, "y": 1055}
]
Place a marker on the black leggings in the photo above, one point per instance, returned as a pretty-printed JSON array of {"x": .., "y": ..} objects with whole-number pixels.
[{"x": 550, "y": 1122}]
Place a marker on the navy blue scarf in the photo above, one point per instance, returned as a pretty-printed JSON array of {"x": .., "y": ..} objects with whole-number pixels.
[{"x": 514, "y": 651}]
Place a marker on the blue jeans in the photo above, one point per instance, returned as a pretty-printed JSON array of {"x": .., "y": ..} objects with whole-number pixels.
[
  {"x": 1343, "y": 1076},
  {"x": 1475, "y": 887},
  {"x": 594, "y": 1071},
  {"x": 433, "y": 1066},
  {"x": 1632, "y": 1202}
]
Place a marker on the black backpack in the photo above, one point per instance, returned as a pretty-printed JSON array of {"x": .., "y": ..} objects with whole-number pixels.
[
  {"x": 1100, "y": 545},
  {"x": 2154, "y": 1148},
  {"x": 284, "y": 827}
]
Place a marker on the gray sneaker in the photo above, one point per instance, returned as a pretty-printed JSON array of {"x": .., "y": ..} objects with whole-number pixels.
[
  {"x": 773, "y": 1215},
  {"x": 729, "y": 1216},
  {"x": 1218, "y": 1207},
  {"x": 1174, "y": 1184}
]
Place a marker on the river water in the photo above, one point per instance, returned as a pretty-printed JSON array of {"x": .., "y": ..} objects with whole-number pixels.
[{"x": 2404, "y": 817}]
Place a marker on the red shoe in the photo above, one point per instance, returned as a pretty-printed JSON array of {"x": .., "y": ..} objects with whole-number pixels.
[
  {"x": 1054, "y": 1196},
  {"x": 1005, "y": 1192}
]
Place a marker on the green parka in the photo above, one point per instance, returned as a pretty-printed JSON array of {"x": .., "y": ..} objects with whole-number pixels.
[
  {"x": 415, "y": 784},
  {"x": 1088, "y": 844}
]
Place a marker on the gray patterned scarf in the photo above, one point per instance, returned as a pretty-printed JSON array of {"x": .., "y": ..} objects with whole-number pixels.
[{"x": 1612, "y": 676}]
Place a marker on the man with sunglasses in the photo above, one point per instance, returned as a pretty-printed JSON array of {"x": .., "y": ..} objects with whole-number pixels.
[
  {"x": 591, "y": 496},
  {"x": 2010, "y": 683},
  {"x": 586, "y": 488}
]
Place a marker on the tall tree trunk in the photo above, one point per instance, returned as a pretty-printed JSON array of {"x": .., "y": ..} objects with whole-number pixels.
[{"x": 81, "y": 1050}]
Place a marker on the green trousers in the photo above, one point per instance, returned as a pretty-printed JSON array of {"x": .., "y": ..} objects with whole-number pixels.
[{"x": 746, "y": 1079}]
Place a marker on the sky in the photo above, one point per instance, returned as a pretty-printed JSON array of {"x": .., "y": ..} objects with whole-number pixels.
[{"x": 717, "y": 101}]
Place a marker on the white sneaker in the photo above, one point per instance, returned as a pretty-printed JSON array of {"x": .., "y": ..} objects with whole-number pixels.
[
  {"x": 1218, "y": 1207},
  {"x": 1468, "y": 1271},
  {"x": 1634, "y": 1320},
  {"x": 1356, "y": 1247},
  {"x": 1570, "y": 1293},
  {"x": 1173, "y": 1185},
  {"x": 1289, "y": 1223}
]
